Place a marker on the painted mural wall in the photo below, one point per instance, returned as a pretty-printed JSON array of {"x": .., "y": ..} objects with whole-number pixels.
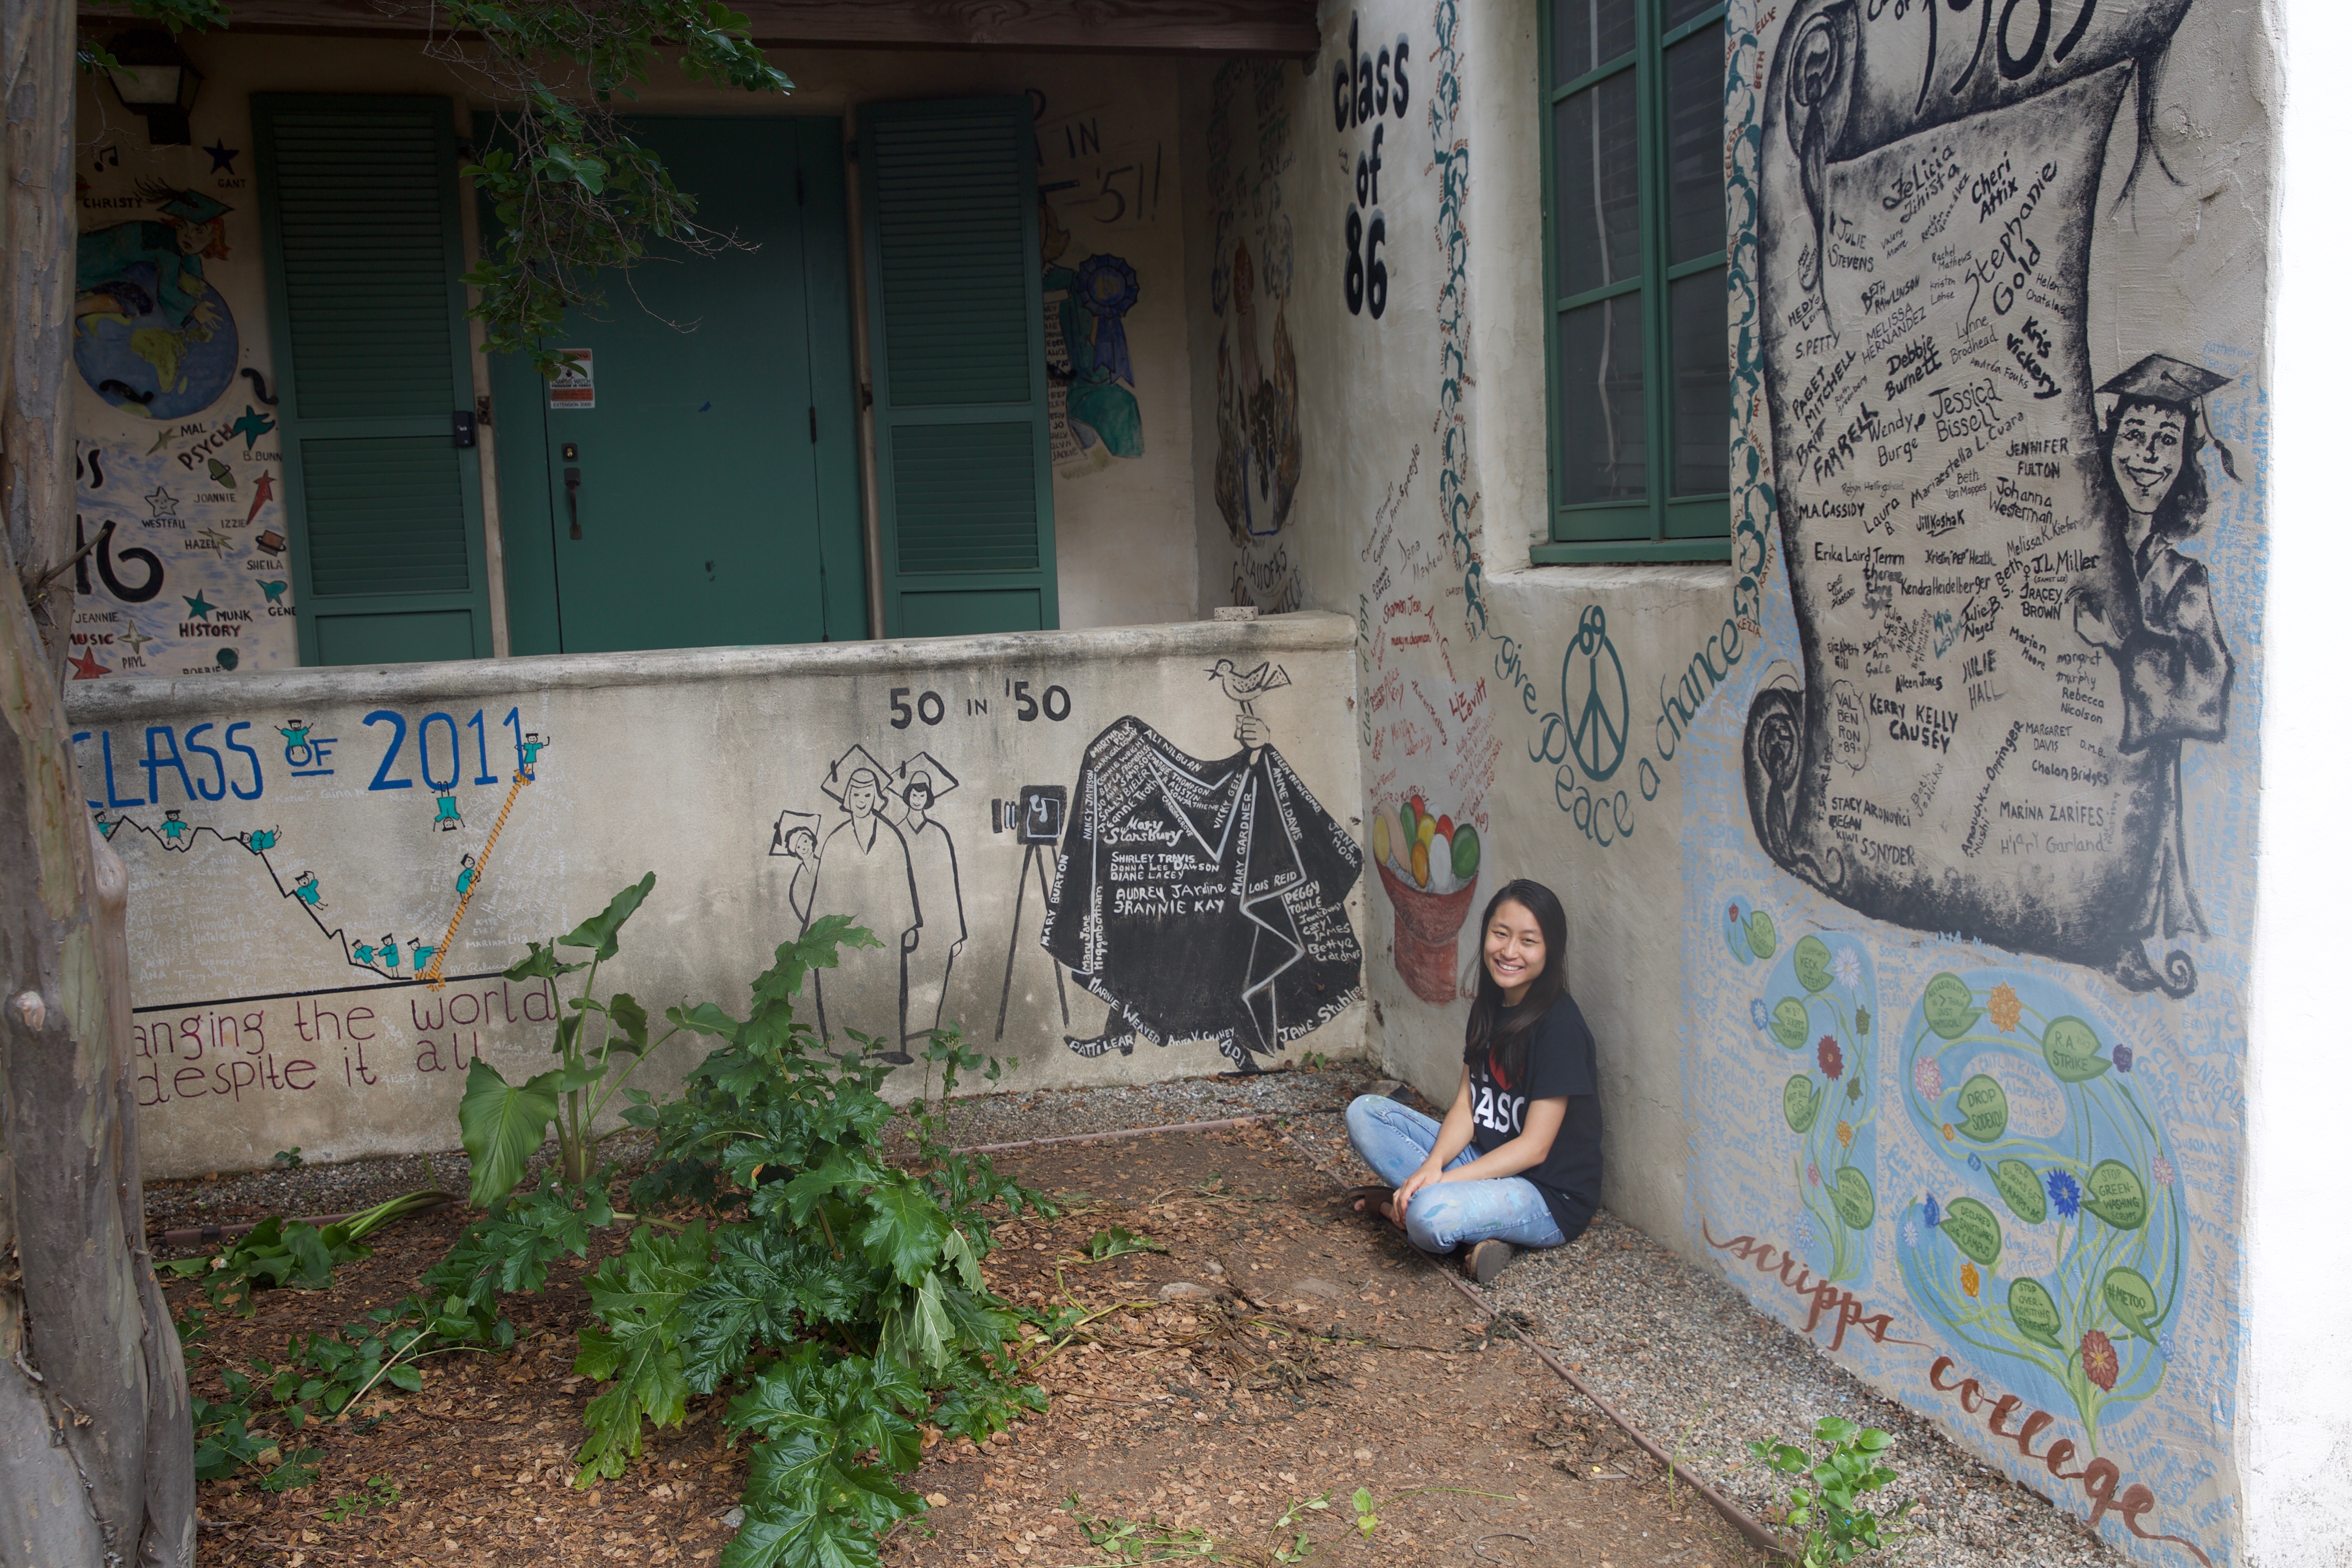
[
  {"x": 1910, "y": 854},
  {"x": 1980, "y": 926},
  {"x": 1113, "y": 855},
  {"x": 177, "y": 470}
]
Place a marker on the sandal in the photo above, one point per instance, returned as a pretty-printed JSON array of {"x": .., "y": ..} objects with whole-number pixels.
[{"x": 1487, "y": 1258}]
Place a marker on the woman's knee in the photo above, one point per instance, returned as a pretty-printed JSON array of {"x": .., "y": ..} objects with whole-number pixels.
[
  {"x": 1433, "y": 1221},
  {"x": 1364, "y": 1115}
]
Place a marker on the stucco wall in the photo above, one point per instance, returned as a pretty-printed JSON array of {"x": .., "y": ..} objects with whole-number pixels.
[
  {"x": 298, "y": 843},
  {"x": 199, "y": 492},
  {"x": 1919, "y": 976}
]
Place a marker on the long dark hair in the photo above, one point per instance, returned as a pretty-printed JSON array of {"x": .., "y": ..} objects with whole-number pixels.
[
  {"x": 2182, "y": 511},
  {"x": 1501, "y": 1044}
]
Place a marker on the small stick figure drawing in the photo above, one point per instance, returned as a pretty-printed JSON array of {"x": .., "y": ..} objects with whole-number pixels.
[
  {"x": 306, "y": 888},
  {"x": 444, "y": 812}
]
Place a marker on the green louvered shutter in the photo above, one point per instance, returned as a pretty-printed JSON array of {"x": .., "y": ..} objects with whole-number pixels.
[
  {"x": 958, "y": 335},
  {"x": 360, "y": 239}
]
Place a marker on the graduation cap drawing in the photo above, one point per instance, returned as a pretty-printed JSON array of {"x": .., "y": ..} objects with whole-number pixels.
[
  {"x": 186, "y": 206},
  {"x": 791, "y": 822},
  {"x": 924, "y": 766},
  {"x": 2169, "y": 383},
  {"x": 850, "y": 762}
]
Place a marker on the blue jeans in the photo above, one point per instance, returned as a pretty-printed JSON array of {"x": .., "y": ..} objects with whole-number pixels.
[{"x": 1394, "y": 1139}]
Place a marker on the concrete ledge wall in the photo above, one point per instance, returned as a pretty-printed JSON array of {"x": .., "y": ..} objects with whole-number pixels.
[{"x": 294, "y": 839}]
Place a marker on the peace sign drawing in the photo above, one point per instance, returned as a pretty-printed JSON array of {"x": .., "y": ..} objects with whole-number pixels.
[{"x": 1592, "y": 698}]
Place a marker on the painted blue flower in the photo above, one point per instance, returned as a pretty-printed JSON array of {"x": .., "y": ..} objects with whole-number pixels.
[
  {"x": 2065, "y": 1193},
  {"x": 1911, "y": 1231},
  {"x": 1976, "y": 1162},
  {"x": 1756, "y": 1011},
  {"x": 1804, "y": 1228},
  {"x": 1933, "y": 1214},
  {"x": 2123, "y": 1057}
]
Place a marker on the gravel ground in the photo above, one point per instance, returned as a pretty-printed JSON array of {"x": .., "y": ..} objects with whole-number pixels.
[
  {"x": 977, "y": 1119},
  {"x": 1684, "y": 1357}
]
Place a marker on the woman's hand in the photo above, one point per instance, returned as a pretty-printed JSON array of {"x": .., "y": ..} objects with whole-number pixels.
[{"x": 1428, "y": 1173}]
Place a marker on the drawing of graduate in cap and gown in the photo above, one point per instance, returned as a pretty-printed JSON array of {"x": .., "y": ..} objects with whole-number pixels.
[
  {"x": 863, "y": 872},
  {"x": 173, "y": 244},
  {"x": 2174, "y": 668},
  {"x": 938, "y": 891}
]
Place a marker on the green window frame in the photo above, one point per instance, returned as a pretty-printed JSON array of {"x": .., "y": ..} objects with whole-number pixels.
[{"x": 1636, "y": 356}]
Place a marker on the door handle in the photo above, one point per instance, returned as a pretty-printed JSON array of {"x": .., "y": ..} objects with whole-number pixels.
[{"x": 571, "y": 497}]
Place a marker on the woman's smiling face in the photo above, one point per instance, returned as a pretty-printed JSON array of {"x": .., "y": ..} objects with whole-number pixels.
[
  {"x": 2146, "y": 455},
  {"x": 1515, "y": 949}
]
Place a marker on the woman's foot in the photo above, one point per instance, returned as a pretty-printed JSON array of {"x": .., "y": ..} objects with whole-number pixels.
[
  {"x": 1487, "y": 1261},
  {"x": 1372, "y": 1198}
]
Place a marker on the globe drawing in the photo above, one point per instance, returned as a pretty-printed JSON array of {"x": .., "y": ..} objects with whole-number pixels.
[{"x": 144, "y": 363}]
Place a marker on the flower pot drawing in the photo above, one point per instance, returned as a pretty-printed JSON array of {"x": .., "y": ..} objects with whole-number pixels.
[{"x": 1426, "y": 927}]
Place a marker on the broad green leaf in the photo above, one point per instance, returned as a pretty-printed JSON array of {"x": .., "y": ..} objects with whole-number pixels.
[
  {"x": 647, "y": 1383},
  {"x": 2021, "y": 1189},
  {"x": 1118, "y": 1241},
  {"x": 1790, "y": 1025},
  {"x": 1974, "y": 1230},
  {"x": 1984, "y": 1108},
  {"x": 2034, "y": 1311},
  {"x": 2071, "y": 1049},
  {"x": 1950, "y": 1007},
  {"x": 703, "y": 1018},
  {"x": 603, "y": 931},
  {"x": 2115, "y": 1194},
  {"x": 542, "y": 964},
  {"x": 1801, "y": 1103},
  {"x": 907, "y": 1230},
  {"x": 2131, "y": 1299},
  {"x": 629, "y": 1024},
  {"x": 1851, "y": 1195},
  {"x": 1761, "y": 937},
  {"x": 1812, "y": 963},
  {"x": 500, "y": 1125}
]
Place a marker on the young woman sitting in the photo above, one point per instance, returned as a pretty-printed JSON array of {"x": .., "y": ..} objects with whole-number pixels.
[{"x": 1517, "y": 1162}]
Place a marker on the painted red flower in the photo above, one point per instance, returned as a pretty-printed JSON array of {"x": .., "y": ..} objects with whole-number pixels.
[
  {"x": 2100, "y": 1364},
  {"x": 1833, "y": 1059}
]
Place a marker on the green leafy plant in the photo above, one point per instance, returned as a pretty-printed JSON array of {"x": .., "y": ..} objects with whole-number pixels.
[
  {"x": 1825, "y": 1507},
  {"x": 573, "y": 193},
  {"x": 502, "y": 1124},
  {"x": 288, "y": 1159},
  {"x": 1118, "y": 1241},
  {"x": 839, "y": 1296},
  {"x": 1368, "y": 1519},
  {"x": 1129, "y": 1542},
  {"x": 282, "y": 1252},
  {"x": 377, "y": 1493}
]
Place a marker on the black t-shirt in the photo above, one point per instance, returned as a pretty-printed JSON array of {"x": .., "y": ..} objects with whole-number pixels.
[{"x": 1559, "y": 1063}]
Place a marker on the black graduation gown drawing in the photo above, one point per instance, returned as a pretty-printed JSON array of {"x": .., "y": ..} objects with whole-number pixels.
[
  {"x": 2176, "y": 673},
  {"x": 1203, "y": 900}
]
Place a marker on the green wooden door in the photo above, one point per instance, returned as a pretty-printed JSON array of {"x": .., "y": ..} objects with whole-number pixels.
[
  {"x": 711, "y": 465},
  {"x": 958, "y": 342},
  {"x": 363, "y": 250}
]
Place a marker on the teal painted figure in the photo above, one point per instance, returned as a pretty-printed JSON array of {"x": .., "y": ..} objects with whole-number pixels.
[
  {"x": 444, "y": 812},
  {"x": 466, "y": 877},
  {"x": 532, "y": 743},
  {"x": 306, "y": 888},
  {"x": 172, "y": 826}
]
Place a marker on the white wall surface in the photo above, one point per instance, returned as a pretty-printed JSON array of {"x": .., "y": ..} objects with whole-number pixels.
[{"x": 2295, "y": 1420}]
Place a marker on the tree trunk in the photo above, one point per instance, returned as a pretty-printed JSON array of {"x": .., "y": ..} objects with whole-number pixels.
[{"x": 96, "y": 1458}]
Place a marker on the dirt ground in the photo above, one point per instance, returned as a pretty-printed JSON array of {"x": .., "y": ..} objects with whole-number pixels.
[{"x": 1278, "y": 1352}]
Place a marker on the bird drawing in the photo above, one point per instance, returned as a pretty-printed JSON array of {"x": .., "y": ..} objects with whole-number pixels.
[{"x": 1246, "y": 687}]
